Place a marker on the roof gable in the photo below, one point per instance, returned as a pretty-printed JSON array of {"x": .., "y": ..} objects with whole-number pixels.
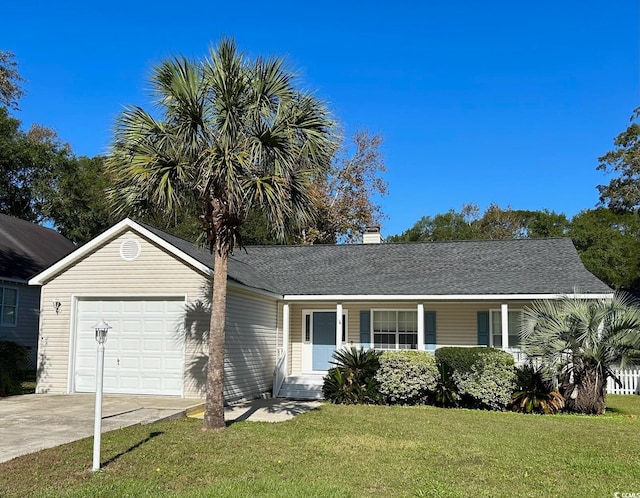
[
  {"x": 27, "y": 248},
  {"x": 108, "y": 235}
]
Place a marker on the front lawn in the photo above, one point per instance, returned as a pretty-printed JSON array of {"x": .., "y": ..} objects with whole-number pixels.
[{"x": 352, "y": 451}]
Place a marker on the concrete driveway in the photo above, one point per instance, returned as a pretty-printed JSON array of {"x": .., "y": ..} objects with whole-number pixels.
[{"x": 34, "y": 422}]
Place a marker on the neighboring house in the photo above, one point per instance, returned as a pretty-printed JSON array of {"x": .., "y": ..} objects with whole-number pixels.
[
  {"x": 288, "y": 309},
  {"x": 25, "y": 250}
]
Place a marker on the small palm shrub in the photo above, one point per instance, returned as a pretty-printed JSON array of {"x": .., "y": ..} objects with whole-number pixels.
[
  {"x": 534, "y": 393},
  {"x": 353, "y": 379},
  {"x": 406, "y": 377},
  {"x": 445, "y": 393}
]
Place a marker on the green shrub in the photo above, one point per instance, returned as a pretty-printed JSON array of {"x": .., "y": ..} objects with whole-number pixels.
[
  {"x": 352, "y": 380},
  {"x": 483, "y": 377},
  {"x": 534, "y": 393},
  {"x": 487, "y": 385},
  {"x": 13, "y": 363},
  {"x": 406, "y": 377}
]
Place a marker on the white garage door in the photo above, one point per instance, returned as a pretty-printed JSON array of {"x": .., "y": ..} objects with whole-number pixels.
[{"x": 144, "y": 352}]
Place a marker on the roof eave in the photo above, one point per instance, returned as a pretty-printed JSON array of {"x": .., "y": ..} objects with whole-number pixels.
[{"x": 441, "y": 297}]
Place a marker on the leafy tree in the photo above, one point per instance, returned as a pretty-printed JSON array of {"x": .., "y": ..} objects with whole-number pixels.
[
  {"x": 233, "y": 133},
  {"x": 545, "y": 223},
  {"x": 609, "y": 245},
  {"x": 623, "y": 192},
  {"x": 452, "y": 225},
  {"x": 75, "y": 200},
  {"x": 10, "y": 79},
  {"x": 495, "y": 223},
  {"x": 578, "y": 341},
  {"x": 40, "y": 179},
  {"x": 498, "y": 223},
  {"x": 27, "y": 163},
  {"x": 344, "y": 199}
]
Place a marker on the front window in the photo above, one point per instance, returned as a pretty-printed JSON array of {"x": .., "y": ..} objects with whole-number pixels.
[
  {"x": 515, "y": 321},
  {"x": 395, "y": 329},
  {"x": 8, "y": 306}
]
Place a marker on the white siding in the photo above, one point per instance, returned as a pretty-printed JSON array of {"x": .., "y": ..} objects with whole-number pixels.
[
  {"x": 250, "y": 345},
  {"x": 251, "y": 320}
]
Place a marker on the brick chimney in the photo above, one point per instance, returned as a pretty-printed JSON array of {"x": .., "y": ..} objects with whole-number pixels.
[{"x": 371, "y": 235}]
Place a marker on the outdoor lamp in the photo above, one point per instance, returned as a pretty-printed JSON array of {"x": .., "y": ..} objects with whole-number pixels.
[
  {"x": 101, "y": 328},
  {"x": 56, "y": 304}
]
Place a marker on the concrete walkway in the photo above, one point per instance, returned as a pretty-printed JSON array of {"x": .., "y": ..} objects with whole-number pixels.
[
  {"x": 265, "y": 410},
  {"x": 34, "y": 422}
]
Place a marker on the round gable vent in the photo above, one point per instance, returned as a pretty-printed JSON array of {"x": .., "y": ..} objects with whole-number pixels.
[{"x": 129, "y": 249}]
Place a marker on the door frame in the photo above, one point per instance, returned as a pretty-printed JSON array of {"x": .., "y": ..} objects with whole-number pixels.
[{"x": 306, "y": 328}]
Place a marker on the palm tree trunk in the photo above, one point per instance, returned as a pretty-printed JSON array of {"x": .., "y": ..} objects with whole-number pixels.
[
  {"x": 590, "y": 390},
  {"x": 214, "y": 407}
]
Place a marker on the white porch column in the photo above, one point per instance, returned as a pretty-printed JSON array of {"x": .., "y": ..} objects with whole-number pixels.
[
  {"x": 504, "y": 312},
  {"x": 339, "y": 326},
  {"x": 285, "y": 328},
  {"x": 420, "y": 327}
]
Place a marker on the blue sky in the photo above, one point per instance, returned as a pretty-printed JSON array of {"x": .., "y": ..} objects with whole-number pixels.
[{"x": 486, "y": 102}]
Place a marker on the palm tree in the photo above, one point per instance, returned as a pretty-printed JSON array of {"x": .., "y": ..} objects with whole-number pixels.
[
  {"x": 578, "y": 341},
  {"x": 233, "y": 134}
]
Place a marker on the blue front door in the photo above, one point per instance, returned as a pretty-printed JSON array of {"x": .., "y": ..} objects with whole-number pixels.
[{"x": 324, "y": 339}]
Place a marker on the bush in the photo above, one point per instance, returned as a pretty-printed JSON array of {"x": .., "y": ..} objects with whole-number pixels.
[
  {"x": 483, "y": 377},
  {"x": 406, "y": 377},
  {"x": 534, "y": 394},
  {"x": 352, "y": 380},
  {"x": 13, "y": 363},
  {"x": 487, "y": 385}
]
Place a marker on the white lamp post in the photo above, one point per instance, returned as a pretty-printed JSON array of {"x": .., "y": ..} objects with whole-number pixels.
[{"x": 102, "y": 328}]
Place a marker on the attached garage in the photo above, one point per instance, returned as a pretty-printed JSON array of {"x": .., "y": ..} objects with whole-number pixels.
[
  {"x": 145, "y": 351},
  {"x": 154, "y": 290}
]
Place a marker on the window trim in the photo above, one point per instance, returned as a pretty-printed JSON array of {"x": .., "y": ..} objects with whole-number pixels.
[
  {"x": 397, "y": 344},
  {"x": 16, "y": 306},
  {"x": 499, "y": 312}
]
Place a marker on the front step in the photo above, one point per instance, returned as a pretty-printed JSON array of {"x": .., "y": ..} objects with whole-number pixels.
[{"x": 302, "y": 387}]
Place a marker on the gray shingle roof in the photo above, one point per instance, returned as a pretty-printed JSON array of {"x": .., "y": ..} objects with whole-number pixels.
[
  {"x": 238, "y": 270},
  {"x": 27, "y": 248},
  {"x": 526, "y": 266}
]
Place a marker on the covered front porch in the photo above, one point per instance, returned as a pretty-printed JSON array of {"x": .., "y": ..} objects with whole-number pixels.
[{"x": 311, "y": 329}]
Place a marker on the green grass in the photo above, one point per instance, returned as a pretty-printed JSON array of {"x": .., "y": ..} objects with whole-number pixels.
[{"x": 355, "y": 451}]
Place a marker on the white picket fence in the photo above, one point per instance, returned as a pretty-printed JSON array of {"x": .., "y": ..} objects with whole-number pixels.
[{"x": 630, "y": 378}]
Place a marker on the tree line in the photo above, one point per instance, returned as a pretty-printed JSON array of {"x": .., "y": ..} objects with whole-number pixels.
[{"x": 607, "y": 240}]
